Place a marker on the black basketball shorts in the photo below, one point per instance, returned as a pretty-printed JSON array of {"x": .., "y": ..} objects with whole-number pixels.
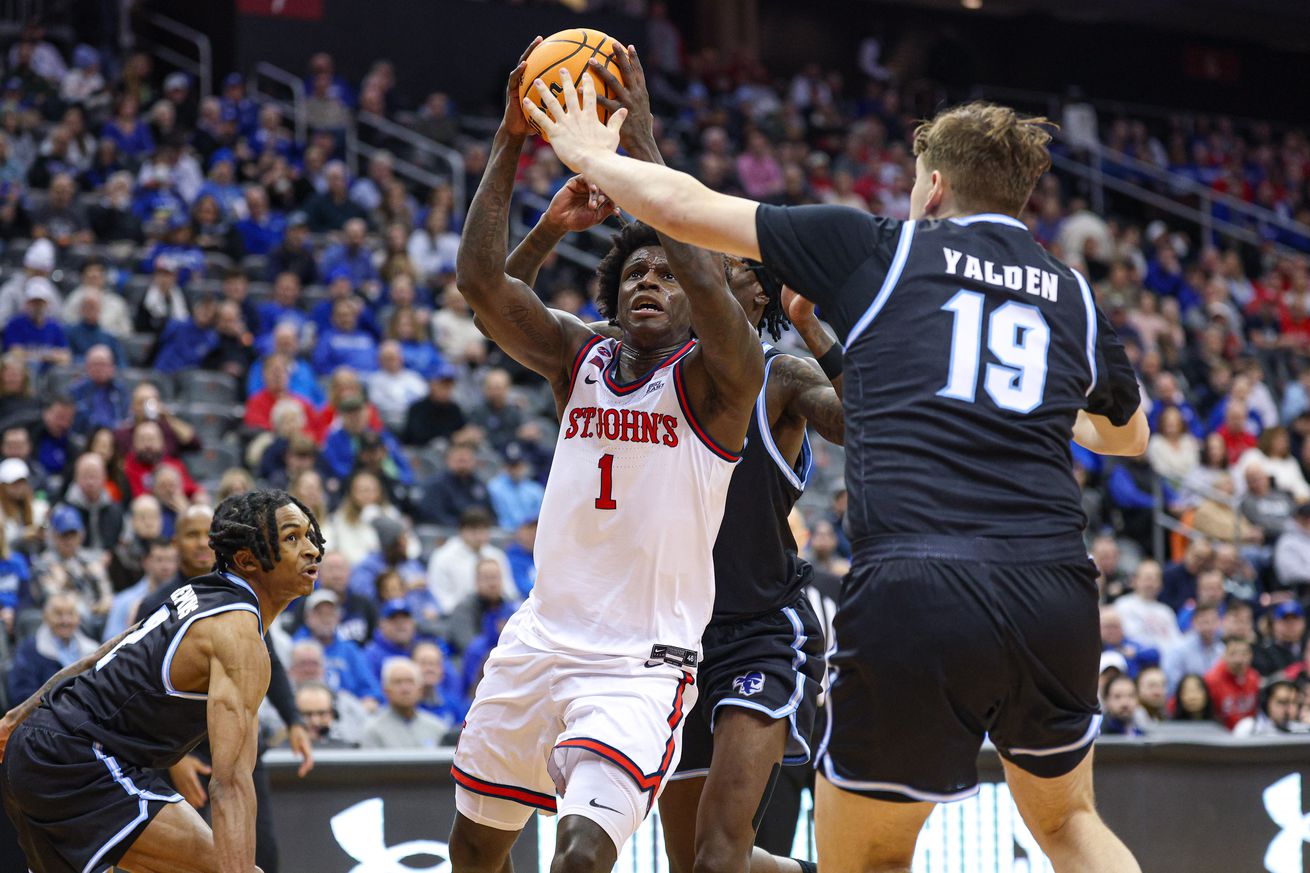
[
  {"x": 773, "y": 664},
  {"x": 75, "y": 807},
  {"x": 942, "y": 642}
]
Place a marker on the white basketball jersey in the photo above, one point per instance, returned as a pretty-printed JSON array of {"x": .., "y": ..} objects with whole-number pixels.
[{"x": 625, "y": 540}]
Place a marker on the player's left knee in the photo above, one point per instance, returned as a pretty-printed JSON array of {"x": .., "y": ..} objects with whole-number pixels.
[{"x": 582, "y": 850}]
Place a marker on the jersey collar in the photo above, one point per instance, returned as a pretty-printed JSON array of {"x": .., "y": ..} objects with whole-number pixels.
[
  {"x": 237, "y": 580},
  {"x": 991, "y": 218}
]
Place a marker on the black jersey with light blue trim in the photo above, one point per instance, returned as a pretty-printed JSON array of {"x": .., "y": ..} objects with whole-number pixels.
[
  {"x": 969, "y": 352},
  {"x": 127, "y": 702},
  {"x": 756, "y": 570}
]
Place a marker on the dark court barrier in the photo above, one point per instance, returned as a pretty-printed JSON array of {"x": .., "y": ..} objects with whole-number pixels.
[{"x": 1186, "y": 805}]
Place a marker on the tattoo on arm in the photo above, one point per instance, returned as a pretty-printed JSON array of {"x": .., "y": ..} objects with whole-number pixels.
[
  {"x": 810, "y": 396},
  {"x": 525, "y": 261}
]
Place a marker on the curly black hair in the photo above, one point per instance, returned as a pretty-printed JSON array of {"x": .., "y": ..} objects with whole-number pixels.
[
  {"x": 609, "y": 272},
  {"x": 248, "y": 521}
]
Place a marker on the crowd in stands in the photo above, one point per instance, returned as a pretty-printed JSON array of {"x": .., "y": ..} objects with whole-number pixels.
[{"x": 193, "y": 304}]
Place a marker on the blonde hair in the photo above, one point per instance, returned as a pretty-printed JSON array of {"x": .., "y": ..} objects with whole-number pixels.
[{"x": 992, "y": 156}]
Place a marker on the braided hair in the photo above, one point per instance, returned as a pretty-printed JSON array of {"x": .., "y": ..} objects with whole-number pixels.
[
  {"x": 249, "y": 521},
  {"x": 774, "y": 318}
]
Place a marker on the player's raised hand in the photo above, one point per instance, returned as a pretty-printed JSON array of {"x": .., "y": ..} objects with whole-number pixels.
[
  {"x": 579, "y": 205},
  {"x": 514, "y": 122},
  {"x": 630, "y": 94},
  {"x": 798, "y": 309},
  {"x": 574, "y": 129}
]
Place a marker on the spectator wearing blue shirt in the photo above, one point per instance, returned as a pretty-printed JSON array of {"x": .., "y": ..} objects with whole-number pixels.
[
  {"x": 53, "y": 444},
  {"x": 515, "y": 495},
  {"x": 340, "y": 288},
  {"x": 347, "y": 446},
  {"x": 127, "y": 130},
  {"x": 1167, "y": 394},
  {"x": 352, "y": 255},
  {"x": 33, "y": 331},
  {"x": 442, "y": 695},
  {"x": 102, "y": 400},
  {"x": 1130, "y": 484},
  {"x": 522, "y": 565},
  {"x": 184, "y": 344},
  {"x": 345, "y": 667},
  {"x": 393, "y": 555},
  {"x": 87, "y": 333},
  {"x": 344, "y": 343},
  {"x": 222, "y": 185},
  {"x": 395, "y": 636},
  {"x": 262, "y": 229},
  {"x": 1135, "y": 655},
  {"x": 285, "y": 341},
  {"x": 237, "y": 106},
  {"x": 15, "y": 582}
]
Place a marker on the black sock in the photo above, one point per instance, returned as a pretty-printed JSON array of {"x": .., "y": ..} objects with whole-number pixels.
[{"x": 807, "y": 866}]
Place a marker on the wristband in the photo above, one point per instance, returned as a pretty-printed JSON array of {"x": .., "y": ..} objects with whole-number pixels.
[{"x": 831, "y": 361}]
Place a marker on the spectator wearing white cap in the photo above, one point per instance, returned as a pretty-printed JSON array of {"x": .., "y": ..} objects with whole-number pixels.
[
  {"x": 163, "y": 301},
  {"x": 38, "y": 260},
  {"x": 34, "y": 330},
  {"x": 23, "y": 513}
]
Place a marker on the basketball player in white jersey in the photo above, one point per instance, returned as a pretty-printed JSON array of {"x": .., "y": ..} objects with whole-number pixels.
[{"x": 584, "y": 697}]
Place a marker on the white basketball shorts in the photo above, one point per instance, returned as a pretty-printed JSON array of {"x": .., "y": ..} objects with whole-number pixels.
[{"x": 538, "y": 715}]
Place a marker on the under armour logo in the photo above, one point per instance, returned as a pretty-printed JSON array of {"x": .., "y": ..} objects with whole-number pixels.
[
  {"x": 749, "y": 683},
  {"x": 1283, "y": 803},
  {"x": 359, "y": 831}
]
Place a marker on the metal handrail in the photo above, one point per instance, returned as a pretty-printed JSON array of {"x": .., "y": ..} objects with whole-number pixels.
[
  {"x": 451, "y": 157},
  {"x": 1202, "y": 218},
  {"x": 1177, "y": 181},
  {"x": 292, "y": 83},
  {"x": 1163, "y": 521},
  {"x": 202, "y": 66}
]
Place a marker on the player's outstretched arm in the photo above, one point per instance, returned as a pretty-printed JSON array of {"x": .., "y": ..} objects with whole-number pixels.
[
  {"x": 814, "y": 396},
  {"x": 16, "y": 716},
  {"x": 575, "y": 207},
  {"x": 238, "y": 681},
  {"x": 507, "y": 308},
  {"x": 1096, "y": 433},
  {"x": 729, "y": 347},
  {"x": 671, "y": 202}
]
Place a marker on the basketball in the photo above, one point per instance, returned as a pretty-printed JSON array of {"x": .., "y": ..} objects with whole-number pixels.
[{"x": 570, "y": 49}]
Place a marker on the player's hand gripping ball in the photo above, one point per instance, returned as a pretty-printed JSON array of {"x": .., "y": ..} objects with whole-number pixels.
[{"x": 570, "y": 49}]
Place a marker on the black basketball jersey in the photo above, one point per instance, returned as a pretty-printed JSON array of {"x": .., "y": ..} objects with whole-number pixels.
[
  {"x": 755, "y": 565},
  {"x": 969, "y": 351},
  {"x": 127, "y": 702}
]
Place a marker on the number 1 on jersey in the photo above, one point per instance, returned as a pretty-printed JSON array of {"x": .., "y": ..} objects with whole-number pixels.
[{"x": 606, "y": 498}]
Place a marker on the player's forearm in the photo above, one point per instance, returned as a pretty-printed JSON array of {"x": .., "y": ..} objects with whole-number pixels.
[
  {"x": 481, "y": 258},
  {"x": 525, "y": 261},
  {"x": 20, "y": 712},
  {"x": 675, "y": 203},
  {"x": 823, "y": 344},
  {"x": 233, "y": 805},
  {"x": 1098, "y": 434}
]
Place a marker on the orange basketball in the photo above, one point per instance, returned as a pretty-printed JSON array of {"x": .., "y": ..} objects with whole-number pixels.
[{"x": 571, "y": 49}]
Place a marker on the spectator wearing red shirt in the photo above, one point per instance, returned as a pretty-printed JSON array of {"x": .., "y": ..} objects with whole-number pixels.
[
  {"x": 1235, "y": 431},
  {"x": 1234, "y": 685},
  {"x": 277, "y": 378},
  {"x": 147, "y": 455}
]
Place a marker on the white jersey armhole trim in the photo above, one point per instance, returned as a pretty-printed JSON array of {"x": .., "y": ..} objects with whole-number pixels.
[
  {"x": 766, "y": 435},
  {"x": 172, "y": 647},
  {"x": 1089, "y": 303},
  {"x": 888, "y": 283}
]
